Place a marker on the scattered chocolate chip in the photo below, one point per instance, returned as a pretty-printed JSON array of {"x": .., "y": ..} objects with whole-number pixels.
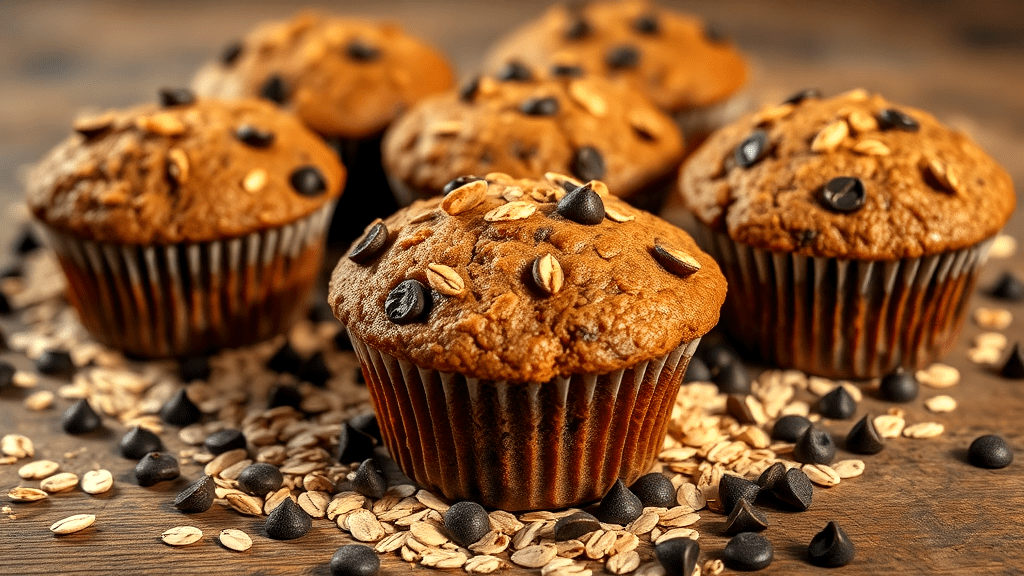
[
  {"x": 370, "y": 244},
  {"x": 539, "y": 107},
  {"x": 253, "y": 136},
  {"x": 582, "y": 205},
  {"x": 231, "y": 53},
  {"x": 285, "y": 360},
  {"x": 892, "y": 119},
  {"x": 5, "y": 308},
  {"x": 27, "y": 241},
  {"x": 732, "y": 489},
  {"x": 407, "y": 302},
  {"x": 198, "y": 496},
  {"x": 170, "y": 97},
  {"x": 1013, "y": 367},
  {"x": 864, "y": 438},
  {"x": 194, "y": 368},
  {"x": 6, "y": 374},
  {"x": 367, "y": 424},
  {"x": 156, "y": 467},
  {"x": 837, "y": 404},
  {"x": 790, "y": 428},
  {"x": 654, "y": 490},
  {"x": 260, "y": 479},
  {"x": 619, "y": 505},
  {"x": 831, "y": 548},
  {"x": 587, "y": 164},
  {"x": 284, "y": 395},
  {"x": 369, "y": 479},
  {"x": 748, "y": 551},
  {"x": 771, "y": 476},
  {"x": 576, "y": 525},
  {"x": 287, "y": 521},
  {"x": 315, "y": 370},
  {"x": 815, "y": 446},
  {"x": 733, "y": 379},
  {"x": 514, "y": 71},
  {"x": 54, "y": 362},
  {"x": 678, "y": 556},
  {"x": 577, "y": 29},
  {"x": 567, "y": 71},
  {"x": 806, "y": 94},
  {"x": 899, "y": 386},
  {"x": 745, "y": 517},
  {"x": 647, "y": 24},
  {"x": 354, "y": 445},
  {"x": 355, "y": 560},
  {"x": 180, "y": 410},
  {"x": 360, "y": 51},
  {"x": 138, "y": 442},
  {"x": 718, "y": 355},
  {"x": 225, "y": 440},
  {"x": 752, "y": 149},
  {"x": 275, "y": 90},
  {"x": 622, "y": 57},
  {"x": 676, "y": 261},
  {"x": 1008, "y": 287},
  {"x": 990, "y": 451},
  {"x": 697, "y": 371},
  {"x": 80, "y": 418},
  {"x": 466, "y": 522},
  {"x": 795, "y": 489},
  {"x": 308, "y": 181}
]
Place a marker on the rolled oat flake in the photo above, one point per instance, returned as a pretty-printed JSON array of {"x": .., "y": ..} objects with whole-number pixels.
[
  {"x": 182, "y": 536},
  {"x": 288, "y": 521}
]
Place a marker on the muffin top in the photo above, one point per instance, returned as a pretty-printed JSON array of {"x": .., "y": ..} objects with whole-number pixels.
[
  {"x": 678, "y": 61},
  {"x": 520, "y": 280},
  {"x": 526, "y": 125},
  {"x": 853, "y": 176},
  {"x": 187, "y": 170},
  {"x": 344, "y": 78}
]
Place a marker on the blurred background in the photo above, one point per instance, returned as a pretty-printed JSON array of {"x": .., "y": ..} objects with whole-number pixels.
[{"x": 961, "y": 60}]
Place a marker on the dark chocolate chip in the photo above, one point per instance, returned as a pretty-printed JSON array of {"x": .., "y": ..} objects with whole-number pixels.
[
  {"x": 308, "y": 181},
  {"x": 748, "y": 551},
  {"x": 466, "y": 522},
  {"x": 170, "y": 97},
  {"x": 771, "y": 476},
  {"x": 815, "y": 446},
  {"x": 622, "y": 57},
  {"x": 354, "y": 445},
  {"x": 194, "y": 368},
  {"x": 285, "y": 360},
  {"x": 156, "y": 467},
  {"x": 733, "y": 379},
  {"x": 284, "y": 395},
  {"x": 990, "y": 451},
  {"x": 253, "y": 136},
  {"x": 229, "y": 55},
  {"x": 287, "y": 521},
  {"x": 6, "y": 374},
  {"x": 355, "y": 560},
  {"x": 80, "y": 418},
  {"x": 576, "y": 525},
  {"x": 514, "y": 71},
  {"x": 467, "y": 92},
  {"x": 367, "y": 424},
  {"x": 718, "y": 355},
  {"x": 806, "y": 94},
  {"x": 54, "y": 362},
  {"x": 540, "y": 106},
  {"x": 647, "y": 24},
  {"x": 370, "y": 244},
  {"x": 843, "y": 194},
  {"x": 745, "y": 517},
  {"x": 274, "y": 89},
  {"x": 315, "y": 370},
  {"x": 198, "y": 496},
  {"x": 27, "y": 241},
  {"x": 864, "y": 438},
  {"x": 180, "y": 410},
  {"x": 260, "y": 479},
  {"x": 369, "y": 479},
  {"x": 654, "y": 490},
  {"x": 678, "y": 556},
  {"x": 892, "y": 119},
  {"x": 675, "y": 263},
  {"x": 714, "y": 34},
  {"x": 587, "y": 164},
  {"x": 752, "y": 149},
  {"x": 1008, "y": 287},
  {"x": 697, "y": 371},
  {"x": 5, "y": 308},
  {"x": 138, "y": 442},
  {"x": 582, "y": 205},
  {"x": 225, "y": 440},
  {"x": 407, "y": 302},
  {"x": 804, "y": 238},
  {"x": 795, "y": 489},
  {"x": 790, "y": 428},
  {"x": 732, "y": 489},
  {"x": 577, "y": 29},
  {"x": 567, "y": 71},
  {"x": 831, "y": 548},
  {"x": 837, "y": 404},
  {"x": 619, "y": 505},
  {"x": 360, "y": 51},
  {"x": 1013, "y": 367},
  {"x": 899, "y": 386}
]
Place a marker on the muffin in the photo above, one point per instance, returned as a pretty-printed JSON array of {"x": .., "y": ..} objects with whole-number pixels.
[
  {"x": 524, "y": 345},
  {"x": 189, "y": 226},
  {"x": 685, "y": 66},
  {"x": 851, "y": 231},
  {"x": 524, "y": 124},
  {"x": 347, "y": 80}
]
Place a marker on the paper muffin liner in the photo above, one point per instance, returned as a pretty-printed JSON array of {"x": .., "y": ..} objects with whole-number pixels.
[
  {"x": 840, "y": 318},
  {"x": 183, "y": 299},
  {"x": 523, "y": 446}
]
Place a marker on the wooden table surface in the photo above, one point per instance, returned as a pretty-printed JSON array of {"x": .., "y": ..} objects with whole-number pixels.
[{"x": 919, "y": 508}]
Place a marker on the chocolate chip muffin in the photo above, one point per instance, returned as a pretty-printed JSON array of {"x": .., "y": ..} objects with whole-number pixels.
[
  {"x": 523, "y": 344},
  {"x": 685, "y": 66},
  {"x": 525, "y": 123},
  {"x": 348, "y": 80},
  {"x": 188, "y": 226},
  {"x": 851, "y": 229}
]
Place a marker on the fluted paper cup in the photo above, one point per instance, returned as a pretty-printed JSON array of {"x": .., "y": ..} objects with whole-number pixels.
[
  {"x": 183, "y": 299},
  {"x": 523, "y": 446},
  {"x": 837, "y": 318}
]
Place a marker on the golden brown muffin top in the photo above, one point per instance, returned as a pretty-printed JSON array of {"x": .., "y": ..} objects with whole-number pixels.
[
  {"x": 523, "y": 281},
  {"x": 591, "y": 128},
  {"x": 191, "y": 171},
  {"x": 675, "y": 59},
  {"x": 344, "y": 77},
  {"x": 853, "y": 176}
]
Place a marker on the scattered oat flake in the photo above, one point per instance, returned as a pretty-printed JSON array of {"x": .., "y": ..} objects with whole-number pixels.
[
  {"x": 924, "y": 430},
  {"x": 39, "y": 400},
  {"x": 97, "y": 481},
  {"x": 38, "y": 469},
  {"x": 73, "y": 524},
  {"x": 1003, "y": 246},
  {"x": 993, "y": 318},
  {"x": 17, "y": 445},
  {"x": 848, "y": 468},
  {"x": 182, "y": 535},
  {"x": 24, "y": 494},
  {"x": 939, "y": 376},
  {"x": 941, "y": 403},
  {"x": 234, "y": 539},
  {"x": 889, "y": 425},
  {"x": 59, "y": 482}
]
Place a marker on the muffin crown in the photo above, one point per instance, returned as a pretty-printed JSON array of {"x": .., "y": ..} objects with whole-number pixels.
[
  {"x": 520, "y": 280},
  {"x": 589, "y": 127},
  {"x": 678, "y": 61},
  {"x": 851, "y": 177},
  {"x": 344, "y": 77},
  {"x": 185, "y": 171}
]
